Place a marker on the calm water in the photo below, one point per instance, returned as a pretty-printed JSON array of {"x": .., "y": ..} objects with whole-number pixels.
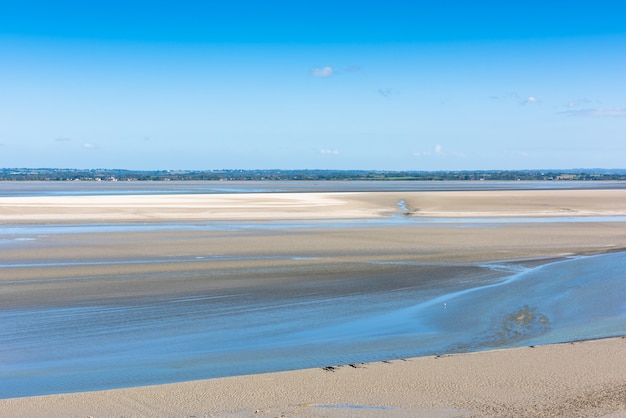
[
  {"x": 81, "y": 188},
  {"x": 151, "y": 340}
]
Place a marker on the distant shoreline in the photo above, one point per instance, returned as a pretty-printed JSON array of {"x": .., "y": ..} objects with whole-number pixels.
[{"x": 68, "y": 174}]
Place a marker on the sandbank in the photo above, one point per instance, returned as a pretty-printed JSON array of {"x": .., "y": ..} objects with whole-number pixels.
[
  {"x": 284, "y": 206},
  {"x": 572, "y": 379}
]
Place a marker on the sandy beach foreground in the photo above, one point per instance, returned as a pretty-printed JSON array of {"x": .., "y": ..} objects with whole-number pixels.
[{"x": 573, "y": 379}]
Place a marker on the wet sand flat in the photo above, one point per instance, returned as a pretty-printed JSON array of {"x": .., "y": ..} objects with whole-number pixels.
[
  {"x": 121, "y": 263},
  {"x": 266, "y": 263}
]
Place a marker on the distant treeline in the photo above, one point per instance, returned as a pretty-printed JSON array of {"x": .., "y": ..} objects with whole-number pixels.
[{"x": 54, "y": 174}]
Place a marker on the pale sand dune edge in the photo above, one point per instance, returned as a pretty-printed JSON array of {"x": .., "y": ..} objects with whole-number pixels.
[
  {"x": 573, "y": 379},
  {"x": 273, "y": 206}
]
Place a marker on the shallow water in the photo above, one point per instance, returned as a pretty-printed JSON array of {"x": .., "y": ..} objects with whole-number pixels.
[
  {"x": 150, "y": 340},
  {"x": 10, "y": 233},
  {"x": 85, "y": 188}
]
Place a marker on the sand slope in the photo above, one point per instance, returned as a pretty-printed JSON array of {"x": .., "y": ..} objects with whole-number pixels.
[{"x": 573, "y": 379}]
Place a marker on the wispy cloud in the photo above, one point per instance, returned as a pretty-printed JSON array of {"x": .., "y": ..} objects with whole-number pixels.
[
  {"x": 572, "y": 104},
  {"x": 505, "y": 96},
  {"x": 436, "y": 150},
  {"x": 322, "y": 71},
  {"x": 329, "y": 151},
  {"x": 387, "y": 92},
  {"x": 329, "y": 71},
  {"x": 530, "y": 100},
  {"x": 90, "y": 146},
  {"x": 616, "y": 112},
  {"x": 513, "y": 96}
]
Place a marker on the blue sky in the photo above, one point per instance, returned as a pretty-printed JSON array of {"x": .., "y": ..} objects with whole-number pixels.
[{"x": 393, "y": 85}]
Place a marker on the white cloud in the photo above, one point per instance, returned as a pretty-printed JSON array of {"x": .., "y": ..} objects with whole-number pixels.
[
  {"x": 328, "y": 151},
  {"x": 90, "y": 146},
  {"x": 530, "y": 100},
  {"x": 439, "y": 152},
  {"x": 322, "y": 71}
]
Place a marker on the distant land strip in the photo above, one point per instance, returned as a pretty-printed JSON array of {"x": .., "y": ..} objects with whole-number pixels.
[{"x": 67, "y": 174}]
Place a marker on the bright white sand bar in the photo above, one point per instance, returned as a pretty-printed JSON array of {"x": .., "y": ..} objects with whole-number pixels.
[{"x": 268, "y": 206}]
